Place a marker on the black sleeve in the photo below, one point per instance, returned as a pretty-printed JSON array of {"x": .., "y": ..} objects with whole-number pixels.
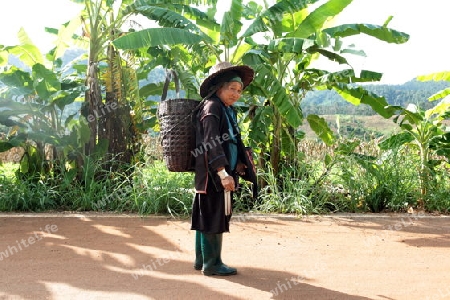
[
  {"x": 212, "y": 142},
  {"x": 246, "y": 156}
]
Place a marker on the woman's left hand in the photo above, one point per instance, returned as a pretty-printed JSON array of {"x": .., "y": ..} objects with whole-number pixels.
[{"x": 240, "y": 168}]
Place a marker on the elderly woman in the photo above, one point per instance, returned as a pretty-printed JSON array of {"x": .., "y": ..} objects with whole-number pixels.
[{"x": 222, "y": 159}]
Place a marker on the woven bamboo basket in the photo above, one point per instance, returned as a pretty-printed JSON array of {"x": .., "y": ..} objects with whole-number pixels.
[
  {"x": 178, "y": 133},
  {"x": 177, "y": 128}
]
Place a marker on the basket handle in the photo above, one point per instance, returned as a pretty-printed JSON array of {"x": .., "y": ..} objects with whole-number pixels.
[{"x": 171, "y": 75}]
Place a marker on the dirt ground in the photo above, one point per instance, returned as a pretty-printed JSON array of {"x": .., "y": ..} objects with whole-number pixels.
[{"x": 91, "y": 256}]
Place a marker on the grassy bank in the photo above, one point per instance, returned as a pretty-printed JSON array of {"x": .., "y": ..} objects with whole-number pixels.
[{"x": 324, "y": 180}]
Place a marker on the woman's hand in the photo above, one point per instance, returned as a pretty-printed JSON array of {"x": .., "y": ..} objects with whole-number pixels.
[
  {"x": 228, "y": 183},
  {"x": 226, "y": 180},
  {"x": 240, "y": 168}
]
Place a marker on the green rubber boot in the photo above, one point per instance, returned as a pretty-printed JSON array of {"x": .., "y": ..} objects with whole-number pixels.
[
  {"x": 198, "y": 264},
  {"x": 219, "y": 238},
  {"x": 212, "y": 264}
]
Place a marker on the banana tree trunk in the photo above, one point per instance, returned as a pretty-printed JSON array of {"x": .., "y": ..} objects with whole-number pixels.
[
  {"x": 424, "y": 174},
  {"x": 115, "y": 127},
  {"x": 93, "y": 100},
  {"x": 275, "y": 151}
]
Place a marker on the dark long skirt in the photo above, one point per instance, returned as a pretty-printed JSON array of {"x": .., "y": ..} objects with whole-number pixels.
[{"x": 208, "y": 212}]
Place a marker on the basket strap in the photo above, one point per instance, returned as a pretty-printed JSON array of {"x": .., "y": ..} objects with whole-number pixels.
[{"x": 171, "y": 74}]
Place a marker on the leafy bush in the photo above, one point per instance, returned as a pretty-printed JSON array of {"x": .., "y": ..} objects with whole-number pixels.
[
  {"x": 150, "y": 189},
  {"x": 379, "y": 183},
  {"x": 295, "y": 190}
]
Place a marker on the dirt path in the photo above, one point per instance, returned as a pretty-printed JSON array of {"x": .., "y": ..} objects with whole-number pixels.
[{"x": 89, "y": 256}]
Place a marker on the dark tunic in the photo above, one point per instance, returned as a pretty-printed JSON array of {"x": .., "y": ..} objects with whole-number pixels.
[{"x": 212, "y": 152}]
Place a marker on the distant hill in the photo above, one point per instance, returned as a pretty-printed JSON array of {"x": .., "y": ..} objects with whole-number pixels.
[
  {"x": 329, "y": 102},
  {"x": 347, "y": 120},
  {"x": 365, "y": 128}
]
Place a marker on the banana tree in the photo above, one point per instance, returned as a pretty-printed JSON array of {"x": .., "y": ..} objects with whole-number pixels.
[
  {"x": 442, "y": 145},
  {"x": 279, "y": 42},
  {"x": 103, "y": 22},
  {"x": 427, "y": 131},
  {"x": 176, "y": 43},
  {"x": 112, "y": 103},
  {"x": 183, "y": 39},
  {"x": 187, "y": 40},
  {"x": 34, "y": 100},
  {"x": 295, "y": 37}
]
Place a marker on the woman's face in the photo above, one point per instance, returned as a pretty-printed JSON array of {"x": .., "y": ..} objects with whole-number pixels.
[{"x": 230, "y": 92}]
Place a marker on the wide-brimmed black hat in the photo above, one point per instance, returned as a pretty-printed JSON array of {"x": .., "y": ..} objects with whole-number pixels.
[{"x": 215, "y": 73}]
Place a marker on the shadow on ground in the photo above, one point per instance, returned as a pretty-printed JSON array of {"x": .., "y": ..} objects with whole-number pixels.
[{"x": 128, "y": 258}]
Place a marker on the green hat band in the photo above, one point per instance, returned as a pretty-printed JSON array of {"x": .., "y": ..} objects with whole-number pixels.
[{"x": 236, "y": 79}]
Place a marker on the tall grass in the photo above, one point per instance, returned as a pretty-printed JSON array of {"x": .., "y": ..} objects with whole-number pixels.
[
  {"x": 387, "y": 182},
  {"x": 295, "y": 190},
  {"x": 150, "y": 189},
  {"x": 156, "y": 190},
  {"x": 439, "y": 195},
  {"x": 366, "y": 181}
]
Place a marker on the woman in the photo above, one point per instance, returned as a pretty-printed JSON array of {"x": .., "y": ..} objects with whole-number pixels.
[{"x": 217, "y": 168}]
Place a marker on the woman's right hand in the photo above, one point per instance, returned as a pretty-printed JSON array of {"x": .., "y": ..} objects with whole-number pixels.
[{"x": 228, "y": 183}]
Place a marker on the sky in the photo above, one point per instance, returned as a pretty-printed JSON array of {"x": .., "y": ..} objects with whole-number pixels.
[{"x": 426, "y": 51}]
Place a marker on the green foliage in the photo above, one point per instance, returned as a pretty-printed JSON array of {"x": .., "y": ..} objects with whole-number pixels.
[
  {"x": 378, "y": 183},
  {"x": 359, "y": 95},
  {"x": 358, "y": 177},
  {"x": 354, "y": 127},
  {"x": 426, "y": 131},
  {"x": 294, "y": 190},
  {"x": 290, "y": 35},
  {"x": 26, "y": 196},
  {"x": 321, "y": 128},
  {"x": 156, "y": 36},
  {"x": 438, "y": 196},
  {"x": 35, "y": 100},
  {"x": 380, "y": 32},
  {"x": 150, "y": 190},
  {"x": 350, "y": 177},
  {"x": 158, "y": 191}
]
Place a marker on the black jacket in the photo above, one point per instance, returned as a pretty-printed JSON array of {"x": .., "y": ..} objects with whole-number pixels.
[{"x": 211, "y": 152}]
